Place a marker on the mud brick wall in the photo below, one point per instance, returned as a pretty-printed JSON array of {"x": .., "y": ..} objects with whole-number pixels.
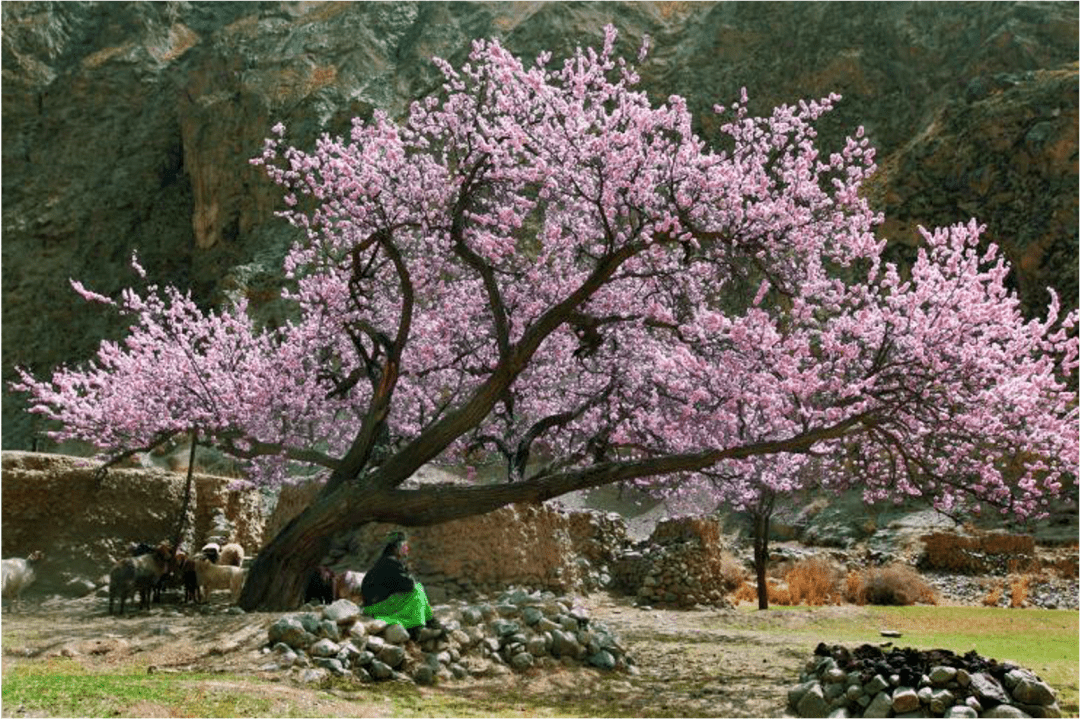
[{"x": 56, "y": 503}]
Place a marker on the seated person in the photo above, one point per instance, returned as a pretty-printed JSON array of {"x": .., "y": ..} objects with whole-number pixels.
[{"x": 391, "y": 594}]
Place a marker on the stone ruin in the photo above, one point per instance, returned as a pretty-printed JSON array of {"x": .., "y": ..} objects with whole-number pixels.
[
  {"x": 518, "y": 631},
  {"x": 680, "y": 565},
  {"x": 869, "y": 681}
]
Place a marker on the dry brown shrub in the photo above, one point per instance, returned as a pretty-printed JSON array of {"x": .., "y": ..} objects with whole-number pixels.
[
  {"x": 1065, "y": 567},
  {"x": 746, "y": 592},
  {"x": 778, "y": 594},
  {"x": 1019, "y": 587},
  {"x": 852, "y": 586},
  {"x": 893, "y": 585},
  {"x": 1022, "y": 565},
  {"x": 991, "y": 599},
  {"x": 813, "y": 582}
]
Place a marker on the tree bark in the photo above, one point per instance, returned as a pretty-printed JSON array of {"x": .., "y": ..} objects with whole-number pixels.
[
  {"x": 761, "y": 556},
  {"x": 179, "y": 535}
]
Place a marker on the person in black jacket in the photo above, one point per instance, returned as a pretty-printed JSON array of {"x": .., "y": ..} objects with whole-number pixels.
[
  {"x": 388, "y": 575},
  {"x": 390, "y": 593}
]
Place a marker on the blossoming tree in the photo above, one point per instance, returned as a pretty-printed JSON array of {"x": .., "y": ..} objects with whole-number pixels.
[{"x": 538, "y": 262}]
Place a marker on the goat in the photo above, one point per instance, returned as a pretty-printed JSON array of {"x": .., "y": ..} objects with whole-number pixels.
[
  {"x": 231, "y": 554},
  {"x": 321, "y": 586},
  {"x": 348, "y": 586},
  {"x": 210, "y": 576},
  {"x": 141, "y": 548},
  {"x": 140, "y": 574},
  {"x": 185, "y": 569},
  {"x": 17, "y": 575}
]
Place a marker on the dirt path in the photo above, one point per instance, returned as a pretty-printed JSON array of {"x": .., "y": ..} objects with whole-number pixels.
[{"x": 691, "y": 663}]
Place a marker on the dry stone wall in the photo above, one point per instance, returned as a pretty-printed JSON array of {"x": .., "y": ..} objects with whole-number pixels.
[
  {"x": 56, "y": 503},
  {"x": 680, "y": 565}
]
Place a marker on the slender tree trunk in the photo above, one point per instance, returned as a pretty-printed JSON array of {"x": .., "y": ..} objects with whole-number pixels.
[
  {"x": 761, "y": 556},
  {"x": 187, "y": 491}
]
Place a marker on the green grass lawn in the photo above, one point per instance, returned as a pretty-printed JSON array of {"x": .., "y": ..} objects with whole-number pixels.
[{"x": 61, "y": 687}]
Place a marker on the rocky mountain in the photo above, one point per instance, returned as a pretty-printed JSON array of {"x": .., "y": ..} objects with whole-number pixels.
[{"x": 129, "y": 125}]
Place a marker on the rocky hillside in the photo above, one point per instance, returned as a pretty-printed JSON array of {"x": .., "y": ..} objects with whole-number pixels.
[{"x": 129, "y": 125}]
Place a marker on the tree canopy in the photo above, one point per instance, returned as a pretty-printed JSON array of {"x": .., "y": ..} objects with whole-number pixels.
[{"x": 537, "y": 262}]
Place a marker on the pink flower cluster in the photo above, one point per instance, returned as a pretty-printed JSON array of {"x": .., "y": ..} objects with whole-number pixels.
[{"x": 539, "y": 262}]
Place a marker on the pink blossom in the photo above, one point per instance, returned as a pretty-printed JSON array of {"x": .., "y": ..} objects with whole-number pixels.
[{"x": 537, "y": 262}]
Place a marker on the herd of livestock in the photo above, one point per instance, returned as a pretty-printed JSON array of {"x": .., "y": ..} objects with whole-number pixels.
[{"x": 152, "y": 569}]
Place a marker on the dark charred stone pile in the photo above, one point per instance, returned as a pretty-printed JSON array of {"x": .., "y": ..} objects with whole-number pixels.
[{"x": 869, "y": 681}]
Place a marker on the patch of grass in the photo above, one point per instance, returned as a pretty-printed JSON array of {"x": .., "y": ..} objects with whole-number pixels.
[{"x": 61, "y": 687}]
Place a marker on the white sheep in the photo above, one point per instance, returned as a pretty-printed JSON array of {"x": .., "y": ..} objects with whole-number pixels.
[
  {"x": 141, "y": 574},
  {"x": 231, "y": 554},
  {"x": 348, "y": 585},
  {"x": 17, "y": 575},
  {"x": 212, "y": 576}
]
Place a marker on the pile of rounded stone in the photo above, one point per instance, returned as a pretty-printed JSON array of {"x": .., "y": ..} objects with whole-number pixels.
[
  {"x": 518, "y": 631},
  {"x": 868, "y": 682}
]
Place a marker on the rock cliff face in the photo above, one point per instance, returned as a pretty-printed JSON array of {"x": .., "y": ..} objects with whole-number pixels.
[{"x": 129, "y": 126}]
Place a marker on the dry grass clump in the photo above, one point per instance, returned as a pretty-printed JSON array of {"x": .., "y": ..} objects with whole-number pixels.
[
  {"x": 814, "y": 582},
  {"x": 1018, "y": 590},
  {"x": 1064, "y": 567},
  {"x": 992, "y": 599},
  {"x": 747, "y": 592},
  {"x": 892, "y": 585}
]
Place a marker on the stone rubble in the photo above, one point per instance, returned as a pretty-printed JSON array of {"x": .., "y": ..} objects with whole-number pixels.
[
  {"x": 1046, "y": 593},
  {"x": 870, "y": 682},
  {"x": 518, "y": 631}
]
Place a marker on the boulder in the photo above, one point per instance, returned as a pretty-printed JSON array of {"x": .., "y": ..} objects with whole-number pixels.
[
  {"x": 879, "y": 706},
  {"x": 987, "y": 689},
  {"x": 396, "y": 634},
  {"x": 1030, "y": 690},
  {"x": 290, "y": 631},
  {"x": 342, "y": 612}
]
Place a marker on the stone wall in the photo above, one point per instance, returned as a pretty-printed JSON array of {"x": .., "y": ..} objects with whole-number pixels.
[
  {"x": 682, "y": 564},
  {"x": 56, "y": 503}
]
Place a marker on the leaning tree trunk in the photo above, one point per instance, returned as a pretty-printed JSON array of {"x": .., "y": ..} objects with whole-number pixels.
[
  {"x": 761, "y": 556},
  {"x": 281, "y": 569},
  {"x": 279, "y": 574}
]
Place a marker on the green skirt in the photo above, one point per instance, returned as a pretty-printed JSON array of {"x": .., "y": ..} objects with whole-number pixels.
[{"x": 409, "y": 609}]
